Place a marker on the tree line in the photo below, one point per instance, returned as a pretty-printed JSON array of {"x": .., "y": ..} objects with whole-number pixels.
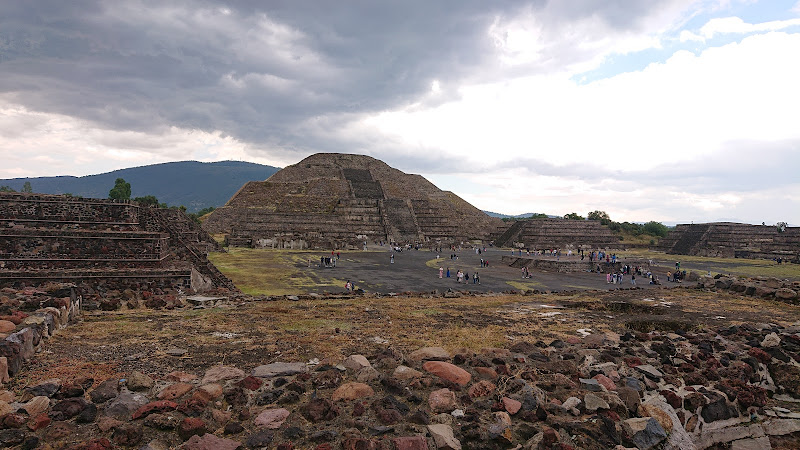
[{"x": 122, "y": 191}]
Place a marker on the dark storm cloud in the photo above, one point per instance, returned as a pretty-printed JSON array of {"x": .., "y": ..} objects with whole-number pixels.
[{"x": 258, "y": 71}]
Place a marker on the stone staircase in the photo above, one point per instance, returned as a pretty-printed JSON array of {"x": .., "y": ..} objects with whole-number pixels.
[
  {"x": 399, "y": 220},
  {"x": 543, "y": 234}
]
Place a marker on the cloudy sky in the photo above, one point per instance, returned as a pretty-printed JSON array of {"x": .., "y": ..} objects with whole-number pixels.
[{"x": 667, "y": 110}]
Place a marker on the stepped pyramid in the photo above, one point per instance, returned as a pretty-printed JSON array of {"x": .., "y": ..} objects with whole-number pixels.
[
  {"x": 333, "y": 200},
  {"x": 553, "y": 233},
  {"x": 733, "y": 240}
]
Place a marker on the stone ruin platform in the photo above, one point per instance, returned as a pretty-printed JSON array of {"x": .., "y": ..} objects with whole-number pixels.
[
  {"x": 733, "y": 240},
  {"x": 53, "y": 238},
  {"x": 564, "y": 234},
  {"x": 331, "y": 200}
]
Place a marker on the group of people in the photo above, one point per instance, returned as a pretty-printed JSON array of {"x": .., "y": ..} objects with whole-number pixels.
[{"x": 461, "y": 276}]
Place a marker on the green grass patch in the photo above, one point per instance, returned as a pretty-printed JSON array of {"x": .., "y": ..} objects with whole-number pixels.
[{"x": 525, "y": 285}]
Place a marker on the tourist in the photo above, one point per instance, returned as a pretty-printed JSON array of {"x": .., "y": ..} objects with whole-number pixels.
[
  {"x": 448, "y": 272},
  {"x": 633, "y": 279},
  {"x": 477, "y": 278},
  {"x": 391, "y": 259},
  {"x": 441, "y": 271},
  {"x": 669, "y": 276}
]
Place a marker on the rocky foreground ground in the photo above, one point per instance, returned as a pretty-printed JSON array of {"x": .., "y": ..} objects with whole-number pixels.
[{"x": 735, "y": 387}]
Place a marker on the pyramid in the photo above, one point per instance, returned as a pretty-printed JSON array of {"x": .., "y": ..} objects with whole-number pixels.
[{"x": 334, "y": 200}]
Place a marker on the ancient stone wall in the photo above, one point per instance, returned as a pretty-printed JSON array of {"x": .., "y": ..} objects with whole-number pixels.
[
  {"x": 551, "y": 234},
  {"x": 25, "y": 244},
  {"x": 733, "y": 240},
  {"x": 48, "y": 208},
  {"x": 57, "y": 238},
  {"x": 764, "y": 287},
  {"x": 566, "y": 266},
  {"x": 22, "y": 333}
]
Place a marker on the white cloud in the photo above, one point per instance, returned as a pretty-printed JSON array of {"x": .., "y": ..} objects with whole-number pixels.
[
  {"x": 44, "y": 144},
  {"x": 689, "y": 107},
  {"x": 686, "y": 106},
  {"x": 737, "y": 25}
]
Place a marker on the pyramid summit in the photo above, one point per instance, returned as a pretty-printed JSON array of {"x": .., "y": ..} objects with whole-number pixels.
[{"x": 333, "y": 200}]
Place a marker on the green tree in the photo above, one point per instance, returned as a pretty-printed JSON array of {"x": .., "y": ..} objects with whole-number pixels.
[
  {"x": 148, "y": 200},
  {"x": 598, "y": 215},
  {"x": 121, "y": 190},
  {"x": 27, "y": 187},
  {"x": 655, "y": 228},
  {"x": 6, "y": 189},
  {"x": 573, "y": 216}
]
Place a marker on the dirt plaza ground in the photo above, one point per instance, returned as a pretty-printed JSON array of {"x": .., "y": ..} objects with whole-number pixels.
[{"x": 265, "y": 271}]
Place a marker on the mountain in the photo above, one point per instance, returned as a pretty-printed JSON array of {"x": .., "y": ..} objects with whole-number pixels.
[
  {"x": 195, "y": 185},
  {"x": 518, "y": 216}
]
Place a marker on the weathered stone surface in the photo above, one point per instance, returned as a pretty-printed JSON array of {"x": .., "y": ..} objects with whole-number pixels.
[
  {"x": 448, "y": 371},
  {"x": 105, "y": 391},
  {"x": 180, "y": 377},
  {"x": 718, "y": 409},
  {"x": 191, "y": 426},
  {"x": 430, "y": 354},
  {"x": 279, "y": 369},
  {"x": 208, "y": 392},
  {"x": 648, "y": 410},
  {"x": 780, "y": 427},
  {"x": 442, "y": 400},
  {"x": 222, "y": 373},
  {"x": 406, "y": 373},
  {"x": 649, "y": 371},
  {"x": 7, "y": 326},
  {"x": 174, "y": 391},
  {"x": 481, "y": 389},
  {"x": 645, "y": 432},
  {"x": 593, "y": 402},
  {"x": 410, "y": 443},
  {"x": 272, "y": 418},
  {"x": 443, "y": 437},
  {"x": 356, "y": 362},
  {"x": 771, "y": 340},
  {"x": 36, "y": 406},
  {"x": 137, "y": 381},
  {"x": 210, "y": 442},
  {"x": 510, "y": 405},
  {"x": 125, "y": 404},
  {"x": 352, "y": 391}
]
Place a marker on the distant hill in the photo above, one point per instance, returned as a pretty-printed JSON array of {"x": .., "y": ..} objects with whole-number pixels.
[
  {"x": 195, "y": 185},
  {"x": 518, "y": 216}
]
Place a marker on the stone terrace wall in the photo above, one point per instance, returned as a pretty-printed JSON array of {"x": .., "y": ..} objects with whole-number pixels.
[
  {"x": 764, "y": 287},
  {"x": 81, "y": 245},
  {"x": 57, "y": 238},
  {"x": 731, "y": 240},
  {"x": 49, "y": 208},
  {"x": 543, "y": 234},
  {"x": 22, "y": 333},
  {"x": 551, "y": 265}
]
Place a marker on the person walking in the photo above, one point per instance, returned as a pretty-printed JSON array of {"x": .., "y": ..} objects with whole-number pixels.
[
  {"x": 441, "y": 271},
  {"x": 633, "y": 279}
]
